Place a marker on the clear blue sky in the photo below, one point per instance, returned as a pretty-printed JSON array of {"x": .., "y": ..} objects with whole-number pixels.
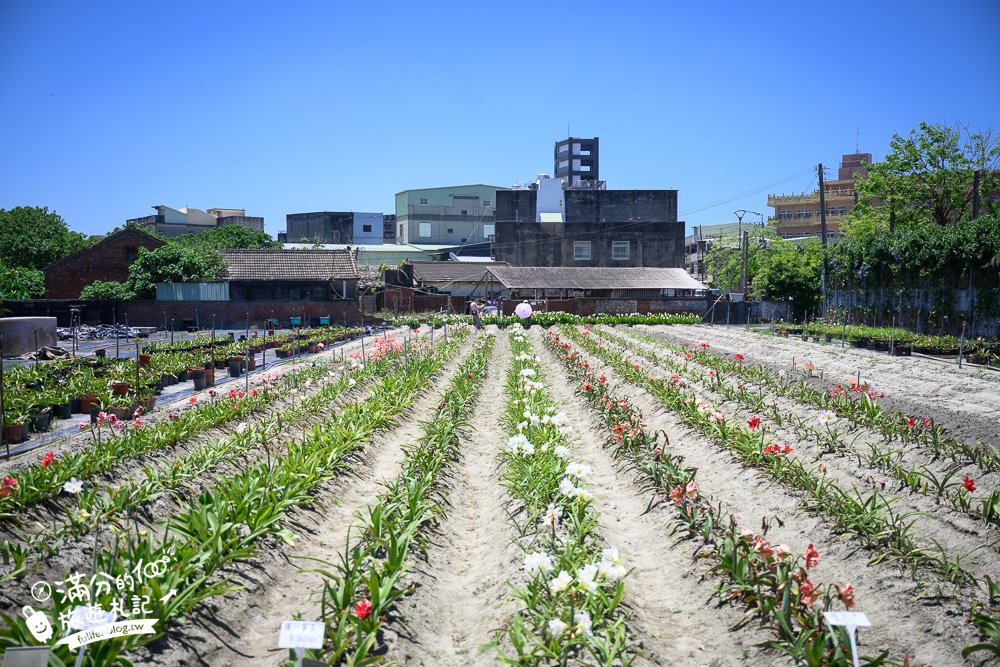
[{"x": 108, "y": 108}]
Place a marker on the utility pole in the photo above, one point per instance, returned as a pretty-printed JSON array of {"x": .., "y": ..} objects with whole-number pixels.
[
  {"x": 822, "y": 231},
  {"x": 746, "y": 261}
]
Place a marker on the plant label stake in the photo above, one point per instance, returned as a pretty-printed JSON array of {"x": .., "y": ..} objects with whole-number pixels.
[
  {"x": 300, "y": 635},
  {"x": 850, "y": 620}
]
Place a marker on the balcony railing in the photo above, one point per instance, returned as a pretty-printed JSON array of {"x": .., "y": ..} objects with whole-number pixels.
[{"x": 811, "y": 198}]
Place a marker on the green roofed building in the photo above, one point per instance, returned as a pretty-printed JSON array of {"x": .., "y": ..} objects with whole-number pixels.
[{"x": 455, "y": 215}]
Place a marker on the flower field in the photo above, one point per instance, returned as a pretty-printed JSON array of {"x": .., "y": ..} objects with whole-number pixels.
[{"x": 583, "y": 494}]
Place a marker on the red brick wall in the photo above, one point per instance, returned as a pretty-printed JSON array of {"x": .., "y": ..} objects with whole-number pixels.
[{"x": 105, "y": 260}]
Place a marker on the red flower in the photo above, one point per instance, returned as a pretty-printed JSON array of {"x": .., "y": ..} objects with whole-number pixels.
[
  {"x": 704, "y": 346},
  {"x": 911, "y": 422},
  {"x": 637, "y": 367},
  {"x": 969, "y": 484},
  {"x": 788, "y": 449},
  {"x": 925, "y": 421},
  {"x": 468, "y": 376},
  {"x": 602, "y": 379},
  {"x": 253, "y": 392},
  {"x": 846, "y": 595},
  {"x": 50, "y": 458},
  {"x": 812, "y": 557},
  {"x": 754, "y": 422},
  {"x": 588, "y": 387},
  {"x": 809, "y": 592},
  {"x": 363, "y": 609},
  {"x": 174, "y": 416},
  {"x": 7, "y": 486},
  {"x": 738, "y": 357}
]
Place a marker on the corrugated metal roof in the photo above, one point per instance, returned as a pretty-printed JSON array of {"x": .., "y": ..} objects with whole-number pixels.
[
  {"x": 522, "y": 277},
  {"x": 289, "y": 265},
  {"x": 452, "y": 272}
]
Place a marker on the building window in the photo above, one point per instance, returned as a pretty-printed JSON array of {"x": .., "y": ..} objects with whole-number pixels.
[
  {"x": 488, "y": 231},
  {"x": 831, "y": 210},
  {"x": 620, "y": 249},
  {"x": 366, "y": 228},
  {"x": 581, "y": 250},
  {"x": 425, "y": 230},
  {"x": 841, "y": 210},
  {"x": 131, "y": 254},
  {"x": 465, "y": 212},
  {"x": 401, "y": 231},
  {"x": 423, "y": 201},
  {"x": 807, "y": 213},
  {"x": 451, "y": 231},
  {"x": 486, "y": 202}
]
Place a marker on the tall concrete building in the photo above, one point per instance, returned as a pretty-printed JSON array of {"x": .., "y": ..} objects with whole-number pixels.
[
  {"x": 796, "y": 216},
  {"x": 577, "y": 163},
  {"x": 445, "y": 216},
  {"x": 335, "y": 227},
  {"x": 548, "y": 224}
]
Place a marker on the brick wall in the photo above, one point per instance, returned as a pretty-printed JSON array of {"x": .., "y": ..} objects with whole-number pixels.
[{"x": 108, "y": 259}]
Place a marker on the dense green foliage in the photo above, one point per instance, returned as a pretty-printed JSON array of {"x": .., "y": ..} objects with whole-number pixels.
[
  {"x": 227, "y": 237},
  {"x": 172, "y": 263},
  {"x": 110, "y": 290},
  {"x": 20, "y": 283},
  {"x": 33, "y": 237},
  {"x": 790, "y": 271}
]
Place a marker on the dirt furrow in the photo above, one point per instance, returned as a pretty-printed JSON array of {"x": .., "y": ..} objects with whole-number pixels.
[
  {"x": 241, "y": 628},
  {"x": 673, "y": 616},
  {"x": 965, "y": 401},
  {"x": 932, "y": 632},
  {"x": 956, "y": 531},
  {"x": 460, "y": 590}
]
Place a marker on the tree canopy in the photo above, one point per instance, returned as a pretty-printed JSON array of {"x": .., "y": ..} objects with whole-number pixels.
[
  {"x": 18, "y": 282},
  {"x": 33, "y": 237},
  {"x": 172, "y": 263},
  {"x": 927, "y": 177},
  {"x": 228, "y": 237}
]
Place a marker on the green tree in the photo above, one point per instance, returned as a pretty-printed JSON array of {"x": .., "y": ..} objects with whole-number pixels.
[
  {"x": 926, "y": 178},
  {"x": 172, "y": 263},
  {"x": 17, "y": 283},
  {"x": 790, "y": 271},
  {"x": 724, "y": 262},
  {"x": 228, "y": 237},
  {"x": 110, "y": 290},
  {"x": 33, "y": 237}
]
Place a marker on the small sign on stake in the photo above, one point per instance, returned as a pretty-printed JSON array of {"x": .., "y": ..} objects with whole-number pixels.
[
  {"x": 850, "y": 620},
  {"x": 300, "y": 635}
]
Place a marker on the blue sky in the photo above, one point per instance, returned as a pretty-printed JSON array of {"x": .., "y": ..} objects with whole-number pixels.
[{"x": 108, "y": 108}]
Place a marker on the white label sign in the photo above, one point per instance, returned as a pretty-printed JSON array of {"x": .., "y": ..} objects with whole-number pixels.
[
  {"x": 301, "y": 634},
  {"x": 856, "y": 619}
]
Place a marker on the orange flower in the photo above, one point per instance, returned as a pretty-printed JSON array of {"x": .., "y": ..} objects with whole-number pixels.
[
  {"x": 846, "y": 595},
  {"x": 812, "y": 557},
  {"x": 50, "y": 458},
  {"x": 809, "y": 592},
  {"x": 7, "y": 486}
]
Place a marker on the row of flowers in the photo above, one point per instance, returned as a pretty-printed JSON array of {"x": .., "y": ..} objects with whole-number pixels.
[
  {"x": 951, "y": 486},
  {"x": 773, "y": 584},
  {"x": 573, "y": 585},
  {"x": 227, "y": 524},
  {"x": 362, "y": 586},
  {"x": 871, "y": 518}
]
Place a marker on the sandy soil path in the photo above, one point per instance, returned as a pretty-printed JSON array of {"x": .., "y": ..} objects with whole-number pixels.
[
  {"x": 927, "y": 630},
  {"x": 460, "y": 593}
]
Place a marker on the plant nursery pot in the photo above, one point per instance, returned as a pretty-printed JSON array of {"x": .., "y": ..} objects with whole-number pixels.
[
  {"x": 199, "y": 382},
  {"x": 210, "y": 377},
  {"x": 94, "y": 411},
  {"x": 148, "y": 403},
  {"x": 41, "y": 420},
  {"x": 182, "y": 376},
  {"x": 311, "y": 348},
  {"x": 208, "y": 365},
  {"x": 100, "y": 353},
  {"x": 829, "y": 337},
  {"x": 902, "y": 351},
  {"x": 12, "y": 434},
  {"x": 251, "y": 363},
  {"x": 87, "y": 403},
  {"x": 119, "y": 388},
  {"x": 235, "y": 367},
  {"x": 220, "y": 364},
  {"x": 74, "y": 406},
  {"x": 144, "y": 360},
  {"x": 63, "y": 410},
  {"x": 24, "y": 431},
  {"x": 118, "y": 411}
]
